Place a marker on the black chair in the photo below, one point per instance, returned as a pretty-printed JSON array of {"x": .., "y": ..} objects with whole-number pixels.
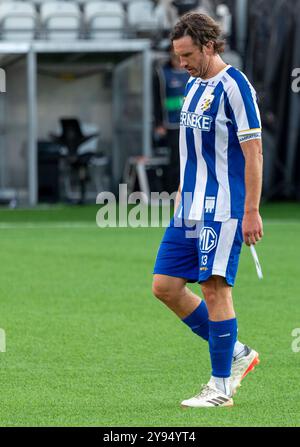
[{"x": 72, "y": 138}]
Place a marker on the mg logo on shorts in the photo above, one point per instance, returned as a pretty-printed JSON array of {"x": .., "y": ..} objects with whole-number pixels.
[{"x": 208, "y": 239}]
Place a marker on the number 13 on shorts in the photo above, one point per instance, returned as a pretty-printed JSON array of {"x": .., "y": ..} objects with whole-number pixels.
[{"x": 204, "y": 260}]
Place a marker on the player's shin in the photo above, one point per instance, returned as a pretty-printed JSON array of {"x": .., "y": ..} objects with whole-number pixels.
[
  {"x": 222, "y": 338},
  {"x": 197, "y": 321}
]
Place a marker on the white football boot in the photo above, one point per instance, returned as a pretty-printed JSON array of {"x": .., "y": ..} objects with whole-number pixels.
[
  {"x": 209, "y": 396},
  {"x": 241, "y": 367}
]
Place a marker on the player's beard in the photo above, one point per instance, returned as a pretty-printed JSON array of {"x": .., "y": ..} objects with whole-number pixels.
[{"x": 204, "y": 69}]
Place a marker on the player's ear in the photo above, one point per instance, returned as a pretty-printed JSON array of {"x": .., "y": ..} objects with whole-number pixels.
[{"x": 210, "y": 46}]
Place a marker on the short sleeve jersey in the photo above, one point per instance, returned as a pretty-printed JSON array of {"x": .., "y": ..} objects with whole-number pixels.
[{"x": 217, "y": 115}]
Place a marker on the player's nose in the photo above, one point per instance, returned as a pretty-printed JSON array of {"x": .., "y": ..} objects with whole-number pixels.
[{"x": 183, "y": 63}]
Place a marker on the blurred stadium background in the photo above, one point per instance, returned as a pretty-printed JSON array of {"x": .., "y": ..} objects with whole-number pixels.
[
  {"x": 76, "y": 104},
  {"x": 91, "y": 61}
]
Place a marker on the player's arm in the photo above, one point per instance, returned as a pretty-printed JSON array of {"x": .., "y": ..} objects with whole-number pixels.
[
  {"x": 243, "y": 109},
  {"x": 252, "y": 222}
]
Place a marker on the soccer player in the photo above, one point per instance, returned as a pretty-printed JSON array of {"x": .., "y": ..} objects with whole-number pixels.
[{"x": 217, "y": 205}]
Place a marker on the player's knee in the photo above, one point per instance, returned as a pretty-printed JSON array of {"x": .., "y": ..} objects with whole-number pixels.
[
  {"x": 159, "y": 289},
  {"x": 210, "y": 295},
  {"x": 162, "y": 290},
  {"x": 209, "y": 291},
  {"x": 215, "y": 291}
]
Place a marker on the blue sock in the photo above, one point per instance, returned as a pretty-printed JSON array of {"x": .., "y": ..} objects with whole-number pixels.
[
  {"x": 222, "y": 338},
  {"x": 198, "y": 321}
]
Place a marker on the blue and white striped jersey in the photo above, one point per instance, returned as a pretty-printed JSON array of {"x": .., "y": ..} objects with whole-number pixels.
[{"x": 217, "y": 115}]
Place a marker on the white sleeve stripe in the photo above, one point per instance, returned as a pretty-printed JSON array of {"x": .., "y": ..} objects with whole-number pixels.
[
  {"x": 241, "y": 109},
  {"x": 253, "y": 96},
  {"x": 235, "y": 102},
  {"x": 253, "y": 92}
]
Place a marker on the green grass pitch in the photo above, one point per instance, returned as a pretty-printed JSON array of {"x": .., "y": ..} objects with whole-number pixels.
[{"x": 88, "y": 345}]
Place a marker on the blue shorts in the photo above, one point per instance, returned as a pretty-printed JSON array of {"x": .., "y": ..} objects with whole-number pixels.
[{"x": 197, "y": 251}]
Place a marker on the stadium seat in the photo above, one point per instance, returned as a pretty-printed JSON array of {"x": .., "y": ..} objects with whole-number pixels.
[
  {"x": 166, "y": 14},
  {"x": 104, "y": 19},
  {"x": 17, "y": 20},
  {"x": 60, "y": 20},
  {"x": 184, "y": 6},
  {"x": 225, "y": 19},
  {"x": 141, "y": 16}
]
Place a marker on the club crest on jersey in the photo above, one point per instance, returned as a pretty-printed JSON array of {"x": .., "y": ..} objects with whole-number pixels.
[
  {"x": 207, "y": 102},
  {"x": 208, "y": 239}
]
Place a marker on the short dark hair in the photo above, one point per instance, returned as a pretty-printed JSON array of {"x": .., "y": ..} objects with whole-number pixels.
[{"x": 201, "y": 28}]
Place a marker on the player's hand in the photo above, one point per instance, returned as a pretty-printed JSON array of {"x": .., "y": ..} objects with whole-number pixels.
[
  {"x": 252, "y": 227},
  {"x": 160, "y": 131}
]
